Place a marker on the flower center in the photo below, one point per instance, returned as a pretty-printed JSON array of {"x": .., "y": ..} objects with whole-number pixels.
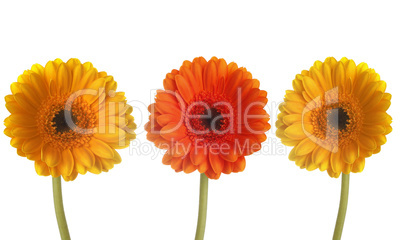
[
  {"x": 60, "y": 123},
  {"x": 210, "y": 118},
  {"x": 338, "y": 118},
  {"x": 65, "y": 125},
  {"x": 337, "y": 121}
]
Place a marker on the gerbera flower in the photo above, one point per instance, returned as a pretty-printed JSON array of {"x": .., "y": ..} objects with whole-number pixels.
[
  {"x": 209, "y": 117},
  {"x": 68, "y": 119},
  {"x": 335, "y": 116}
]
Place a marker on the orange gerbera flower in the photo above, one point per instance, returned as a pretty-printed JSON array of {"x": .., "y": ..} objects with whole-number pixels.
[
  {"x": 68, "y": 119},
  {"x": 210, "y": 115}
]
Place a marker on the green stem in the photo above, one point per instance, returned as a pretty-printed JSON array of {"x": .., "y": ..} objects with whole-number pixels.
[
  {"x": 343, "y": 204},
  {"x": 202, "y": 210},
  {"x": 58, "y": 206}
]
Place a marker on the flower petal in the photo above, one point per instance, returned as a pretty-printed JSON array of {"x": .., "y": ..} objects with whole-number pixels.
[
  {"x": 216, "y": 162},
  {"x": 100, "y": 148},
  {"x": 351, "y": 153},
  {"x": 67, "y": 166},
  {"x": 50, "y": 155},
  {"x": 306, "y": 146},
  {"x": 33, "y": 144},
  {"x": 84, "y": 156}
]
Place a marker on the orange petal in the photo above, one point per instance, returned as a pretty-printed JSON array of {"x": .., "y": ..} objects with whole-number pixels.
[
  {"x": 239, "y": 165},
  {"x": 198, "y": 155},
  {"x": 174, "y": 132},
  {"x": 185, "y": 88},
  {"x": 216, "y": 162},
  {"x": 188, "y": 166},
  {"x": 210, "y": 76}
]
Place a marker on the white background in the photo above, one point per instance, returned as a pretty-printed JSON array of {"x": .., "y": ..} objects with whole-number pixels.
[{"x": 138, "y": 42}]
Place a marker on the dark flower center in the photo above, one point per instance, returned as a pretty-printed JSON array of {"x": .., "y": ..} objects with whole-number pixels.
[
  {"x": 60, "y": 122},
  {"x": 338, "y": 118},
  {"x": 212, "y": 119}
]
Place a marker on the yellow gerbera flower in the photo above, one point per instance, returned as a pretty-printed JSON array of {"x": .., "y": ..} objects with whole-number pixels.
[
  {"x": 335, "y": 116},
  {"x": 68, "y": 118}
]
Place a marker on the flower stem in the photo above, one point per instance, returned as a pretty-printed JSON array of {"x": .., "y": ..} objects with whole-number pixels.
[
  {"x": 58, "y": 206},
  {"x": 343, "y": 204},
  {"x": 202, "y": 210}
]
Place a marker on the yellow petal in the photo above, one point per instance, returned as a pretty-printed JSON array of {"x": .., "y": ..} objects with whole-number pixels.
[
  {"x": 110, "y": 134},
  {"x": 41, "y": 168},
  {"x": 361, "y": 68},
  {"x": 50, "y": 71},
  {"x": 38, "y": 69},
  {"x": 336, "y": 162},
  {"x": 66, "y": 168},
  {"x": 339, "y": 75},
  {"x": 72, "y": 63},
  {"x": 77, "y": 76},
  {"x": 107, "y": 164},
  {"x": 50, "y": 155},
  {"x": 22, "y": 120},
  {"x": 351, "y": 152},
  {"x": 346, "y": 168},
  {"x": 375, "y": 118},
  {"x": 64, "y": 80},
  {"x": 25, "y": 103},
  {"x": 318, "y": 76},
  {"x": 25, "y": 132},
  {"x": 14, "y": 107},
  {"x": 15, "y": 87},
  {"x": 381, "y": 140},
  {"x": 298, "y": 84},
  {"x": 31, "y": 95},
  {"x": 116, "y": 157},
  {"x": 79, "y": 167},
  {"x": 100, "y": 148},
  {"x": 298, "y": 131},
  {"x": 99, "y": 86},
  {"x": 295, "y": 97},
  {"x": 87, "y": 79},
  {"x": 321, "y": 157},
  {"x": 367, "y": 142},
  {"x": 310, "y": 166},
  {"x": 294, "y": 107},
  {"x": 40, "y": 85},
  {"x": 54, "y": 172},
  {"x": 84, "y": 156},
  {"x": 97, "y": 168},
  {"x": 292, "y": 118},
  {"x": 358, "y": 165},
  {"x": 350, "y": 70},
  {"x": 17, "y": 142},
  {"x": 327, "y": 74},
  {"x": 32, "y": 144},
  {"x": 8, "y": 132},
  {"x": 312, "y": 88},
  {"x": 306, "y": 146},
  {"x": 373, "y": 130}
]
